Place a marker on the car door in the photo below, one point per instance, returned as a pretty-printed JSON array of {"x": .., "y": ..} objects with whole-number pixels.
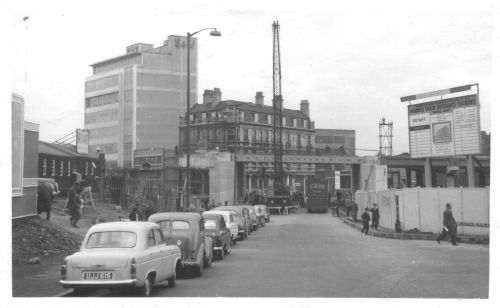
[
  {"x": 163, "y": 262},
  {"x": 153, "y": 253},
  {"x": 224, "y": 230}
]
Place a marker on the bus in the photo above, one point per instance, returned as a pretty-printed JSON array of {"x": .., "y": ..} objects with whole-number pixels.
[{"x": 317, "y": 195}]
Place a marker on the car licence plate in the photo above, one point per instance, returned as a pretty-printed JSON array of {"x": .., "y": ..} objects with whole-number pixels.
[{"x": 97, "y": 275}]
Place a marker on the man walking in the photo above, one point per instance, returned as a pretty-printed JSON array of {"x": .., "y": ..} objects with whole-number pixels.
[
  {"x": 449, "y": 226},
  {"x": 354, "y": 211},
  {"x": 375, "y": 216},
  {"x": 44, "y": 200},
  {"x": 366, "y": 221}
]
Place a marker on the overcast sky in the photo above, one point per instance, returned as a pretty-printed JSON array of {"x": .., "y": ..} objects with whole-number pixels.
[{"x": 352, "y": 63}]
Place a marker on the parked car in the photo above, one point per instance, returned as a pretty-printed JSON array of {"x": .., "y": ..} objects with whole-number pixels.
[
  {"x": 253, "y": 216},
  {"x": 245, "y": 226},
  {"x": 262, "y": 214},
  {"x": 186, "y": 230},
  {"x": 215, "y": 227},
  {"x": 121, "y": 254},
  {"x": 231, "y": 224}
]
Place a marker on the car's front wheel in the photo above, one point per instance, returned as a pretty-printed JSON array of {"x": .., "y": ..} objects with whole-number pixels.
[
  {"x": 208, "y": 262},
  {"x": 199, "y": 269}
]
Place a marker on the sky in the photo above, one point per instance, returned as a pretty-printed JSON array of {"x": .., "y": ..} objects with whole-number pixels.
[{"x": 352, "y": 61}]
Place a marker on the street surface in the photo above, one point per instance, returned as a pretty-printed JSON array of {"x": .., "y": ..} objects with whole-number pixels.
[{"x": 316, "y": 255}]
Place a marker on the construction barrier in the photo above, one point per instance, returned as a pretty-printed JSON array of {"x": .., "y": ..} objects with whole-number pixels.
[{"x": 422, "y": 208}]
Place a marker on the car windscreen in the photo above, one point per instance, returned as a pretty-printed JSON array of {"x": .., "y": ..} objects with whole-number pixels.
[
  {"x": 210, "y": 223},
  {"x": 180, "y": 225},
  {"x": 164, "y": 226},
  {"x": 112, "y": 239}
]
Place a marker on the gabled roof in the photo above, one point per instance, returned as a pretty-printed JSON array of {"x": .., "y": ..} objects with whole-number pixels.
[
  {"x": 247, "y": 106},
  {"x": 64, "y": 150}
]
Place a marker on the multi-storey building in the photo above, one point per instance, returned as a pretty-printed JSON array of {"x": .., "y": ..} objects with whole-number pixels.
[
  {"x": 134, "y": 101},
  {"x": 245, "y": 127}
]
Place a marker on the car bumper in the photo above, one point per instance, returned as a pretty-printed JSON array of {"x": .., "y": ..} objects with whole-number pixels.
[
  {"x": 189, "y": 264},
  {"x": 217, "y": 248},
  {"x": 98, "y": 284}
]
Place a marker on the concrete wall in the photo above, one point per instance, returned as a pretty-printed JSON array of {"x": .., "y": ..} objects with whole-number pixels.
[
  {"x": 222, "y": 183},
  {"x": 423, "y": 208}
]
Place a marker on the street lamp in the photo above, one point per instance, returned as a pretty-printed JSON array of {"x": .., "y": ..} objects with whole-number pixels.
[{"x": 214, "y": 32}]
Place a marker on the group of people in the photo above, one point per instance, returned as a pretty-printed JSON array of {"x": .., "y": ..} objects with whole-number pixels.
[
  {"x": 135, "y": 215},
  {"x": 375, "y": 217}
]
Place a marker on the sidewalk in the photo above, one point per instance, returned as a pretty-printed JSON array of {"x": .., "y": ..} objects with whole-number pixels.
[
  {"x": 387, "y": 233},
  {"x": 42, "y": 280}
]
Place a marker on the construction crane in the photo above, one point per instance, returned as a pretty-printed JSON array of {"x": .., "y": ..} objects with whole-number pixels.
[{"x": 279, "y": 184}]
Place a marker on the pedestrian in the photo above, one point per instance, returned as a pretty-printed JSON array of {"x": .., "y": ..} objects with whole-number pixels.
[
  {"x": 366, "y": 221},
  {"x": 449, "y": 226},
  {"x": 44, "y": 199},
  {"x": 226, "y": 203},
  {"x": 375, "y": 216},
  {"x": 134, "y": 215},
  {"x": 149, "y": 210},
  {"x": 348, "y": 207},
  {"x": 354, "y": 211},
  {"x": 77, "y": 207},
  {"x": 69, "y": 201},
  {"x": 337, "y": 208}
]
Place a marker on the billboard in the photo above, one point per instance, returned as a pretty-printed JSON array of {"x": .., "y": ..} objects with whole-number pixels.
[
  {"x": 317, "y": 195},
  {"x": 445, "y": 127},
  {"x": 82, "y": 141}
]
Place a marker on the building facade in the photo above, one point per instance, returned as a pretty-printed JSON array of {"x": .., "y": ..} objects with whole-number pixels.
[
  {"x": 341, "y": 141},
  {"x": 63, "y": 164},
  {"x": 24, "y": 161},
  {"x": 134, "y": 101}
]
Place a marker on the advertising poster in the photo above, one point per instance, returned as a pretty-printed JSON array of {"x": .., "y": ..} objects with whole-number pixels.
[{"x": 445, "y": 127}]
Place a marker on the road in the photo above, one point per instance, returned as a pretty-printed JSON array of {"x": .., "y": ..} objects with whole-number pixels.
[{"x": 316, "y": 255}]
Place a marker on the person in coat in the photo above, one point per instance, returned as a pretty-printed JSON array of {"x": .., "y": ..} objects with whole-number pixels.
[
  {"x": 366, "y": 221},
  {"x": 354, "y": 211},
  {"x": 134, "y": 215},
  {"x": 76, "y": 212},
  {"x": 44, "y": 199},
  {"x": 449, "y": 226},
  {"x": 375, "y": 216}
]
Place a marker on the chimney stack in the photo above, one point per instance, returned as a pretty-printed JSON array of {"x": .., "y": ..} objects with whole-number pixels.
[
  {"x": 208, "y": 97},
  {"x": 304, "y": 107},
  {"x": 259, "y": 99},
  {"x": 217, "y": 96}
]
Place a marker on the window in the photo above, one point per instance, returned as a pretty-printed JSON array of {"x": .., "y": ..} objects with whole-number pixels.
[
  {"x": 180, "y": 225},
  {"x": 44, "y": 167},
  {"x": 159, "y": 237},
  {"x": 53, "y": 167},
  {"x": 112, "y": 239},
  {"x": 69, "y": 167},
  {"x": 210, "y": 224},
  {"x": 151, "y": 239},
  {"x": 61, "y": 168},
  {"x": 338, "y": 139},
  {"x": 165, "y": 226}
]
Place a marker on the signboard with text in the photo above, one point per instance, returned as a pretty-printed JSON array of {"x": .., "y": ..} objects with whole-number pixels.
[
  {"x": 445, "y": 127},
  {"x": 82, "y": 141}
]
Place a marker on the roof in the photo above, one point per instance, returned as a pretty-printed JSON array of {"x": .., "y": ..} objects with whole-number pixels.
[
  {"x": 247, "y": 106},
  {"x": 217, "y": 212},
  {"x": 65, "y": 150},
  {"x": 135, "y": 226},
  {"x": 192, "y": 218},
  {"x": 116, "y": 58}
]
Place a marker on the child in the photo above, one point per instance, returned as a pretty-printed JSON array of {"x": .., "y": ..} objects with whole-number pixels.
[{"x": 366, "y": 221}]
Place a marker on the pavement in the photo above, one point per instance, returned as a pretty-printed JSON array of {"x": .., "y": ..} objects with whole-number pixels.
[
  {"x": 388, "y": 233},
  {"x": 315, "y": 255}
]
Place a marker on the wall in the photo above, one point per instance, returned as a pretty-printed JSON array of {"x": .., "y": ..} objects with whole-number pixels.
[
  {"x": 423, "y": 208},
  {"x": 222, "y": 183}
]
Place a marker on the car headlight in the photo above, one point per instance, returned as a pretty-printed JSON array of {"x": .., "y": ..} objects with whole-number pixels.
[{"x": 179, "y": 242}]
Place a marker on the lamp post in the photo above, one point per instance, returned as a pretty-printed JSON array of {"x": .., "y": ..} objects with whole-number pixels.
[{"x": 214, "y": 32}]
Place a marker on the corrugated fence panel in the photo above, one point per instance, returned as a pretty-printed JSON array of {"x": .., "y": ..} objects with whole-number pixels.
[
  {"x": 430, "y": 216},
  {"x": 410, "y": 217},
  {"x": 475, "y": 216}
]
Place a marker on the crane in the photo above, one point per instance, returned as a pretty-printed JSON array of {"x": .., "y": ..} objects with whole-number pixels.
[{"x": 279, "y": 185}]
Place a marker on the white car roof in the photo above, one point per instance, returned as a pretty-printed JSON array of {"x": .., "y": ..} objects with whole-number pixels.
[{"x": 135, "y": 226}]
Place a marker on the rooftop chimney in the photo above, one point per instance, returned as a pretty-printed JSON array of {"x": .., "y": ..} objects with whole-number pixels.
[
  {"x": 217, "y": 96},
  {"x": 259, "y": 99},
  {"x": 304, "y": 107},
  {"x": 208, "y": 97}
]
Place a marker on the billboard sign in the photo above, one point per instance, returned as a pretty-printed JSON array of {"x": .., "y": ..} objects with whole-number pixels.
[
  {"x": 82, "y": 141},
  {"x": 445, "y": 127},
  {"x": 317, "y": 194}
]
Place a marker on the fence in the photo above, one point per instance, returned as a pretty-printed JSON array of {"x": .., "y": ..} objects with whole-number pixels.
[
  {"x": 157, "y": 188},
  {"x": 422, "y": 208}
]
